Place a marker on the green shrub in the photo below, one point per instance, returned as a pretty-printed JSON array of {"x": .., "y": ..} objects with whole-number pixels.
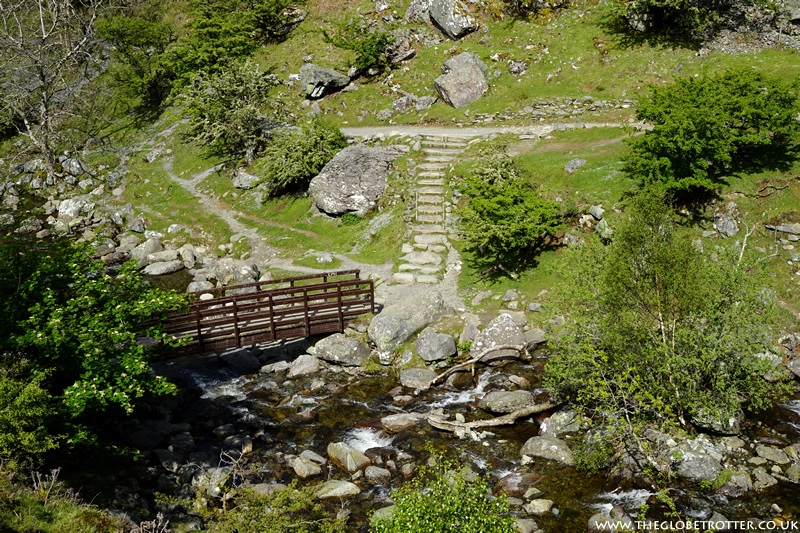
[
  {"x": 707, "y": 127},
  {"x": 506, "y": 221},
  {"x": 232, "y": 112},
  {"x": 371, "y": 46},
  {"x": 441, "y": 499},
  {"x": 350, "y": 219},
  {"x": 287, "y": 510},
  {"x": 294, "y": 157},
  {"x": 25, "y": 408}
]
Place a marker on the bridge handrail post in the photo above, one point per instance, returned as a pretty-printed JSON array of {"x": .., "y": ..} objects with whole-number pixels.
[
  {"x": 341, "y": 311},
  {"x": 236, "y": 325},
  {"x": 305, "y": 312},
  {"x": 272, "y": 317},
  {"x": 198, "y": 318},
  {"x": 372, "y": 296}
]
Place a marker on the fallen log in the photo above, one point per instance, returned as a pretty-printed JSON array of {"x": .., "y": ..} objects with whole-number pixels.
[
  {"x": 440, "y": 422},
  {"x": 474, "y": 360}
]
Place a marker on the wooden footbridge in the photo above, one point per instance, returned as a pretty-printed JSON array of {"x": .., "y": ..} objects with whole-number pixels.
[{"x": 242, "y": 315}]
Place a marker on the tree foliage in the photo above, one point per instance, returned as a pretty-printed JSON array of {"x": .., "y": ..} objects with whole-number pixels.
[
  {"x": 442, "y": 498},
  {"x": 232, "y": 112},
  {"x": 74, "y": 328},
  {"x": 26, "y": 408},
  {"x": 706, "y": 127},
  {"x": 505, "y": 220},
  {"x": 658, "y": 333},
  {"x": 294, "y": 156},
  {"x": 370, "y": 45}
]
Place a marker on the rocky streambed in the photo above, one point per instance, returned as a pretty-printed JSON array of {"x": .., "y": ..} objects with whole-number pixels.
[{"x": 355, "y": 422}]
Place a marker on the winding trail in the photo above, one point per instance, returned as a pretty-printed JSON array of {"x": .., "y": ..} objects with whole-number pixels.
[{"x": 427, "y": 261}]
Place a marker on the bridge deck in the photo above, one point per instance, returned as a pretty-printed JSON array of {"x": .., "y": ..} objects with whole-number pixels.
[{"x": 248, "y": 314}]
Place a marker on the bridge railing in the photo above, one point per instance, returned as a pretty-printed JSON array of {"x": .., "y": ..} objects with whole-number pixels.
[{"x": 248, "y": 315}]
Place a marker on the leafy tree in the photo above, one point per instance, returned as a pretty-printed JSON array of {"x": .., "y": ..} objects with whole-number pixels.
[
  {"x": 441, "y": 499},
  {"x": 370, "y": 45},
  {"x": 140, "y": 37},
  {"x": 26, "y": 408},
  {"x": 47, "y": 57},
  {"x": 78, "y": 325},
  {"x": 232, "y": 112},
  {"x": 294, "y": 156},
  {"x": 274, "y": 19},
  {"x": 657, "y": 333},
  {"x": 706, "y": 127},
  {"x": 679, "y": 18},
  {"x": 506, "y": 221}
]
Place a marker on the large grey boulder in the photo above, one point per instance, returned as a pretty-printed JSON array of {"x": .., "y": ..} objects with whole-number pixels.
[
  {"x": 549, "y": 448},
  {"x": 452, "y": 17},
  {"x": 503, "y": 402},
  {"x": 337, "y": 490},
  {"x": 434, "y": 346},
  {"x": 142, "y": 252},
  {"x": 794, "y": 366},
  {"x": 463, "y": 80},
  {"x": 565, "y": 420},
  {"x": 304, "y": 365},
  {"x": 343, "y": 350},
  {"x": 418, "y": 11},
  {"x": 72, "y": 207},
  {"x": 500, "y": 331},
  {"x": 346, "y": 457},
  {"x": 244, "y": 180},
  {"x": 353, "y": 180},
  {"x": 229, "y": 271},
  {"x": 162, "y": 268},
  {"x": 416, "y": 378},
  {"x": 728, "y": 424},
  {"x": 317, "y": 81},
  {"x": 397, "y": 323}
]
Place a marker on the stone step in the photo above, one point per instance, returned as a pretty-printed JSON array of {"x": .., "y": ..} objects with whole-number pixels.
[
  {"x": 407, "y": 267},
  {"x": 429, "y": 218},
  {"x": 429, "y": 189},
  {"x": 430, "y": 239},
  {"x": 403, "y": 278},
  {"x": 443, "y": 140},
  {"x": 430, "y": 199},
  {"x": 439, "y": 159},
  {"x": 442, "y": 151},
  {"x": 429, "y": 280},
  {"x": 430, "y": 174},
  {"x": 431, "y": 181},
  {"x": 426, "y": 229},
  {"x": 430, "y": 209},
  {"x": 432, "y": 166}
]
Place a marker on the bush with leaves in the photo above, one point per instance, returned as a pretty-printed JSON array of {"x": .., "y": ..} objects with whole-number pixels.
[
  {"x": 370, "y": 45},
  {"x": 444, "y": 498},
  {"x": 25, "y": 411},
  {"x": 293, "y": 157},
  {"x": 707, "y": 127},
  {"x": 232, "y": 112},
  {"x": 77, "y": 325},
  {"x": 505, "y": 220},
  {"x": 288, "y": 509},
  {"x": 658, "y": 333}
]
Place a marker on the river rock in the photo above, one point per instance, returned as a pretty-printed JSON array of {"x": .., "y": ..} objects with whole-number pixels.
[
  {"x": 241, "y": 361},
  {"x": 336, "y": 489},
  {"x": 502, "y": 330},
  {"x": 72, "y": 207},
  {"x": 539, "y": 507},
  {"x": 722, "y": 425},
  {"x": 163, "y": 256},
  {"x": 397, "y": 323},
  {"x": 565, "y": 420},
  {"x": 434, "y": 346},
  {"x": 503, "y": 402},
  {"x": 400, "y": 422},
  {"x": 141, "y": 252},
  {"x": 773, "y": 455},
  {"x": 515, "y": 485},
  {"x": 163, "y": 268},
  {"x": 213, "y": 482},
  {"x": 317, "y": 81},
  {"x": 549, "y": 448},
  {"x": 169, "y": 460},
  {"x": 304, "y": 365},
  {"x": 535, "y": 337},
  {"x": 737, "y": 486},
  {"x": 763, "y": 481},
  {"x": 354, "y": 180},
  {"x": 698, "y": 467},
  {"x": 199, "y": 286},
  {"x": 793, "y": 473},
  {"x": 794, "y": 366},
  {"x": 229, "y": 271},
  {"x": 452, "y": 17},
  {"x": 305, "y": 468},
  {"x": 377, "y": 475},
  {"x": 725, "y": 220},
  {"x": 463, "y": 80},
  {"x": 346, "y": 457},
  {"x": 416, "y": 378},
  {"x": 343, "y": 350}
]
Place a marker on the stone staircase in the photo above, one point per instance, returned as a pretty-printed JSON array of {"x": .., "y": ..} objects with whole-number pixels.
[{"x": 424, "y": 258}]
